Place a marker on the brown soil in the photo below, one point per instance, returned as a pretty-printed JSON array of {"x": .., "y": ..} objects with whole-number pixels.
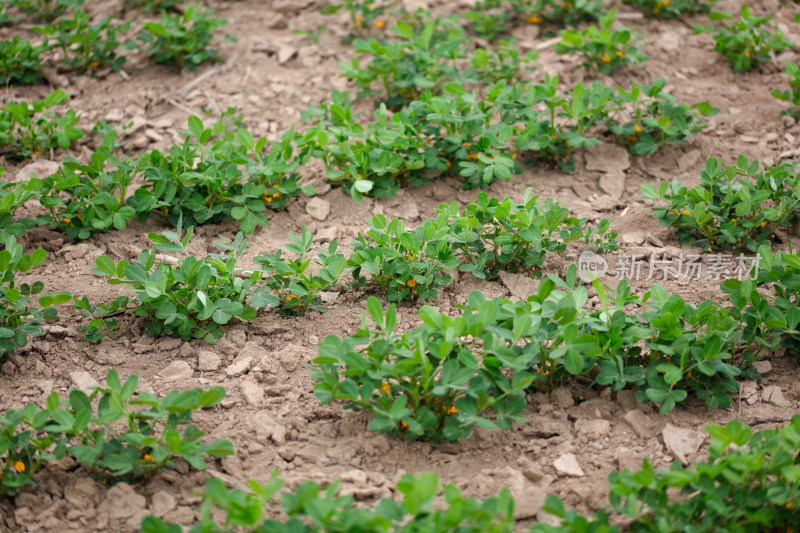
[{"x": 270, "y": 413}]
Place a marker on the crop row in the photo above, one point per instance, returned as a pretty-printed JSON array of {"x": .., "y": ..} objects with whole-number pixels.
[{"x": 121, "y": 434}]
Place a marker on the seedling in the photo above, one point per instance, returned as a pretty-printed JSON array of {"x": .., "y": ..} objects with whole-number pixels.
[
  {"x": 153, "y": 5},
  {"x": 186, "y": 297},
  {"x": 768, "y": 303},
  {"x": 667, "y": 9},
  {"x": 736, "y": 206},
  {"x": 88, "y": 48},
  {"x": 296, "y": 289},
  {"x": 12, "y": 197},
  {"x": 207, "y": 181},
  {"x": 20, "y": 318},
  {"x": 602, "y": 49},
  {"x": 494, "y": 236},
  {"x": 128, "y": 436},
  {"x": 404, "y": 265},
  {"x": 418, "y": 510},
  {"x": 647, "y": 117},
  {"x": 19, "y": 62},
  {"x": 46, "y": 10},
  {"x": 181, "y": 41},
  {"x": 95, "y": 193},
  {"x": 793, "y": 94},
  {"x": 424, "y": 384},
  {"x": 365, "y": 15},
  {"x": 710, "y": 495},
  {"x": 746, "y": 44},
  {"x": 28, "y": 128}
]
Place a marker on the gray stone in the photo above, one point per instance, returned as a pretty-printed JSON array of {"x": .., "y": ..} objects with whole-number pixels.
[
  {"x": 318, "y": 209},
  {"x": 688, "y": 160},
  {"x": 773, "y": 394},
  {"x": 239, "y": 366},
  {"x": 39, "y": 169},
  {"x": 750, "y": 392},
  {"x": 567, "y": 465},
  {"x": 162, "y": 503},
  {"x": 529, "y": 502},
  {"x": 612, "y": 183},
  {"x": 594, "y": 428},
  {"x": 177, "y": 370},
  {"x": 208, "y": 360},
  {"x": 123, "y": 501},
  {"x": 519, "y": 285},
  {"x": 643, "y": 425},
  {"x": 763, "y": 367},
  {"x": 83, "y": 380},
  {"x": 251, "y": 352},
  {"x": 612, "y": 160},
  {"x": 562, "y": 397},
  {"x": 253, "y": 392},
  {"x": 681, "y": 442},
  {"x": 285, "y": 53}
]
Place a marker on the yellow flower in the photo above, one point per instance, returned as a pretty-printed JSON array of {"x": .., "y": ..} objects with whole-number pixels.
[
  {"x": 789, "y": 505},
  {"x": 763, "y": 223},
  {"x": 533, "y": 19},
  {"x": 665, "y": 3},
  {"x": 411, "y": 283},
  {"x": 685, "y": 212},
  {"x": 19, "y": 466},
  {"x": 66, "y": 219},
  {"x": 638, "y": 129},
  {"x": 379, "y": 24},
  {"x": 514, "y": 155},
  {"x": 747, "y": 53},
  {"x": 403, "y": 424},
  {"x": 359, "y": 20},
  {"x": 276, "y": 195},
  {"x": 453, "y": 410},
  {"x": 620, "y": 53},
  {"x": 119, "y": 199},
  {"x": 709, "y": 249},
  {"x": 605, "y": 58},
  {"x": 292, "y": 297},
  {"x": 148, "y": 458},
  {"x": 386, "y": 388},
  {"x": 733, "y": 220},
  {"x": 95, "y": 64},
  {"x": 370, "y": 6},
  {"x": 268, "y": 200}
]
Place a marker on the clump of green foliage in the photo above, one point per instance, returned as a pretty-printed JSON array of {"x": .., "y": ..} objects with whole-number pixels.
[
  {"x": 667, "y": 9},
  {"x": 28, "y": 128},
  {"x": 736, "y": 206},
  {"x": 746, "y": 44},
  {"x": 85, "y": 47},
  {"x": 20, "y": 63},
  {"x": 419, "y": 509},
  {"x": 20, "y": 316},
  {"x": 118, "y": 433},
  {"x": 181, "y": 40},
  {"x": 187, "y": 297},
  {"x": 603, "y": 50},
  {"x": 793, "y": 94}
]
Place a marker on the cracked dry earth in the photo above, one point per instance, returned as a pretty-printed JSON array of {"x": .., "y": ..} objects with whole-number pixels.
[{"x": 270, "y": 413}]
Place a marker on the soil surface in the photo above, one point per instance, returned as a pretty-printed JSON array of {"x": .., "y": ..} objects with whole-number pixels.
[{"x": 270, "y": 414}]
